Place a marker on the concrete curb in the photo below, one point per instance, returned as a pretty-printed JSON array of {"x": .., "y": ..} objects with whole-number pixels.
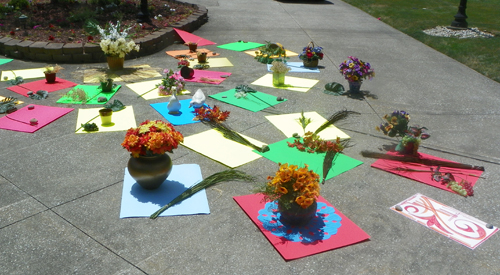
[{"x": 92, "y": 53}]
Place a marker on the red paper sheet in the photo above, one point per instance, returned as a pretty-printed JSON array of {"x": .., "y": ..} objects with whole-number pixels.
[
  {"x": 34, "y": 86},
  {"x": 189, "y": 37},
  {"x": 349, "y": 233},
  {"x": 423, "y": 172},
  {"x": 198, "y": 74},
  {"x": 20, "y": 119}
]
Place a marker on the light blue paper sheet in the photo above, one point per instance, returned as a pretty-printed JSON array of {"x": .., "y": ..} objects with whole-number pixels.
[
  {"x": 297, "y": 67},
  {"x": 139, "y": 202}
]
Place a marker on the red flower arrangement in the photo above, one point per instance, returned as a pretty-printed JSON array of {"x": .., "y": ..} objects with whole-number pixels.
[
  {"x": 210, "y": 114},
  {"x": 152, "y": 138},
  {"x": 314, "y": 144},
  {"x": 182, "y": 63},
  {"x": 51, "y": 37},
  {"x": 12, "y": 33}
]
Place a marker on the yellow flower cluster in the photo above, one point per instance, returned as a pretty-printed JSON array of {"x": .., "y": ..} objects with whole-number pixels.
[{"x": 296, "y": 184}]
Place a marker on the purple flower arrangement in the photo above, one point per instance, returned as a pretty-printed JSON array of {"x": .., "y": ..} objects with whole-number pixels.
[{"x": 355, "y": 70}]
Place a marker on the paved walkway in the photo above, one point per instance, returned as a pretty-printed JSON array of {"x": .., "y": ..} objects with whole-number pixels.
[{"x": 60, "y": 192}]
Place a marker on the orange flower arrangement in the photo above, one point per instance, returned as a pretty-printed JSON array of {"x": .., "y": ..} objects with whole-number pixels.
[
  {"x": 152, "y": 138},
  {"x": 292, "y": 184}
]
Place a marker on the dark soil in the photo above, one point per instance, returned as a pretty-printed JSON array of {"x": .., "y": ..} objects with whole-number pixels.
[{"x": 64, "y": 22}]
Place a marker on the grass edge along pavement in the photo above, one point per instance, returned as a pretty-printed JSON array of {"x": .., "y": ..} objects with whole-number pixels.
[{"x": 413, "y": 17}]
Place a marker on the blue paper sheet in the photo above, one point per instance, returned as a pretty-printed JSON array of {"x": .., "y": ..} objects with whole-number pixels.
[
  {"x": 185, "y": 115},
  {"x": 297, "y": 67},
  {"x": 139, "y": 202}
]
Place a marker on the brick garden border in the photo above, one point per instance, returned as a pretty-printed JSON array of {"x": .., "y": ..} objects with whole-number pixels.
[{"x": 92, "y": 53}]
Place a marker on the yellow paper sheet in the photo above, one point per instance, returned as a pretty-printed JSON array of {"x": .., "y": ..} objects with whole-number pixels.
[
  {"x": 128, "y": 74},
  {"x": 289, "y": 124},
  {"x": 122, "y": 120},
  {"x": 150, "y": 86},
  {"x": 291, "y": 83},
  {"x": 213, "y": 62},
  {"x": 288, "y": 53},
  {"x": 214, "y": 145},
  {"x": 28, "y": 73},
  {"x": 18, "y": 102}
]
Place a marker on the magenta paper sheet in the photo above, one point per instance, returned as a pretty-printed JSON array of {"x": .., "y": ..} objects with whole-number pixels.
[{"x": 446, "y": 220}]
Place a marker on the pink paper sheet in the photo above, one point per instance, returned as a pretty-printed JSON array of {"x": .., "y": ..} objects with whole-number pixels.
[
  {"x": 198, "y": 74},
  {"x": 424, "y": 173},
  {"x": 349, "y": 233},
  {"x": 189, "y": 37},
  {"x": 34, "y": 86},
  {"x": 20, "y": 119}
]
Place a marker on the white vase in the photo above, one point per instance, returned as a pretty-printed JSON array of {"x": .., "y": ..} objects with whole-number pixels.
[
  {"x": 174, "y": 106},
  {"x": 198, "y": 99}
]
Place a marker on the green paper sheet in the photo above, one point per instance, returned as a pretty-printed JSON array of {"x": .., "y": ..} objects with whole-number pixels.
[
  {"x": 213, "y": 62},
  {"x": 5, "y": 60},
  {"x": 288, "y": 53},
  {"x": 121, "y": 120},
  {"x": 26, "y": 74},
  {"x": 93, "y": 93},
  {"x": 291, "y": 83},
  {"x": 280, "y": 152},
  {"x": 289, "y": 124},
  {"x": 150, "y": 89},
  {"x": 250, "y": 102},
  {"x": 214, "y": 145},
  {"x": 240, "y": 46}
]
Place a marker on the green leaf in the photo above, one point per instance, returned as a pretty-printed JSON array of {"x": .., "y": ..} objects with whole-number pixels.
[
  {"x": 116, "y": 106},
  {"x": 334, "y": 88}
]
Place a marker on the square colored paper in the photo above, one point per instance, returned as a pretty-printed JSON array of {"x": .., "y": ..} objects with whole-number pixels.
[
  {"x": 121, "y": 120},
  {"x": 199, "y": 74},
  {"x": 252, "y": 102},
  {"x": 20, "y": 119},
  {"x": 288, "y": 53},
  {"x": 185, "y": 116},
  {"x": 26, "y": 74},
  {"x": 148, "y": 89},
  {"x": 296, "y": 84},
  {"x": 446, "y": 220},
  {"x": 346, "y": 233},
  {"x": 189, "y": 37},
  {"x": 422, "y": 172},
  {"x": 214, "y": 145},
  {"x": 280, "y": 152},
  {"x": 289, "y": 124},
  {"x": 93, "y": 94},
  {"x": 127, "y": 74},
  {"x": 5, "y": 61},
  {"x": 35, "y": 86},
  {"x": 178, "y": 53},
  {"x": 240, "y": 46},
  {"x": 213, "y": 62},
  {"x": 297, "y": 67},
  {"x": 140, "y": 202}
]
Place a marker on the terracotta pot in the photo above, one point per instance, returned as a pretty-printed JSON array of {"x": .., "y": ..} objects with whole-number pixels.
[
  {"x": 297, "y": 215},
  {"x": 50, "y": 78},
  {"x": 150, "y": 172},
  {"x": 115, "y": 62},
  {"x": 311, "y": 64},
  {"x": 187, "y": 72},
  {"x": 105, "y": 115},
  {"x": 193, "y": 47}
]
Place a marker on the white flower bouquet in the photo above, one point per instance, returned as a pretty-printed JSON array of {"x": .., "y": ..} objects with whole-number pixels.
[{"x": 114, "y": 42}]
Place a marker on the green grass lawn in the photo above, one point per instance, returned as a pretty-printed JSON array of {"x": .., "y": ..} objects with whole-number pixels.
[{"x": 414, "y": 16}]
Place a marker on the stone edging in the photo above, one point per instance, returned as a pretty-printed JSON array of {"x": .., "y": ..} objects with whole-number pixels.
[{"x": 92, "y": 53}]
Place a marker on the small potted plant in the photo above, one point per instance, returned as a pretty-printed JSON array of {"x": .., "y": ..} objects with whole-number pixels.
[
  {"x": 279, "y": 71},
  {"x": 270, "y": 52},
  {"x": 311, "y": 55},
  {"x": 105, "y": 115},
  {"x": 149, "y": 164},
  {"x": 106, "y": 84},
  {"x": 355, "y": 71},
  {"x": 50, "y": 72},
  {"x": 397, "y": 126},
  {"x": 172, "y": 81},
  {"x": 202, "y": 57},
  {"x": 295, "y": 190},
  {"x": 192, "y": 46}
]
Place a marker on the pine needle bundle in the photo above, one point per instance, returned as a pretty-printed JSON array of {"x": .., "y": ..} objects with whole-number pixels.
[
  {"x": 227, "y": 175},
  {"x": 338, "y": 116}
]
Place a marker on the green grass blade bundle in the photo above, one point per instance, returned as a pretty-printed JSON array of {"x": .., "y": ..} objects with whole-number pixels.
[
  {"x": 228, "y": 175},
  {"x": 338, "y": 116}
]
